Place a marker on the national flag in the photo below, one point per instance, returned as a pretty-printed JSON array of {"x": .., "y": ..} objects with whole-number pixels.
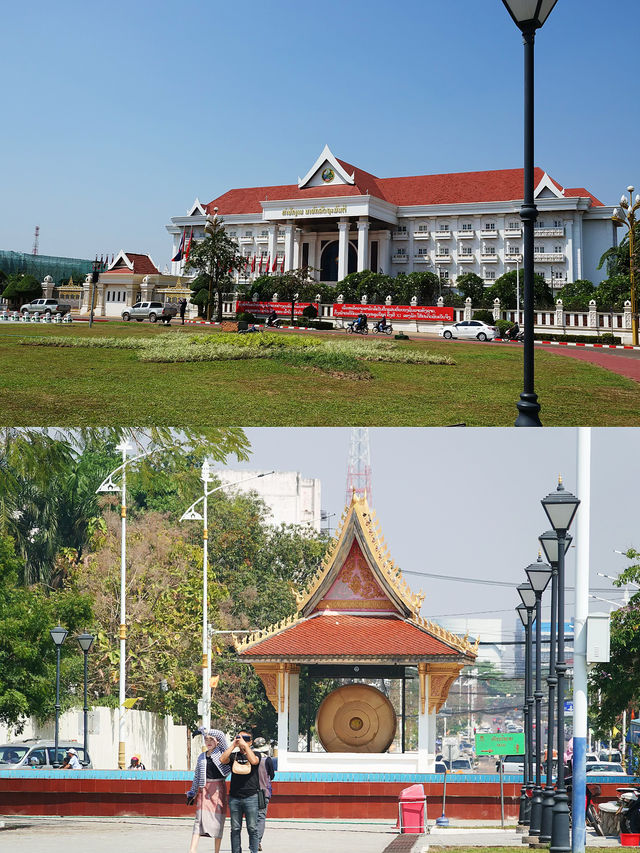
[
  {"x": 268, "y": 263},
  {"x": 253, "y": 263},
  {"x": 282, "y": 264},
  {"x": 180, "y": 253},
  {"x": 260, "y": 265},
  {"x": 186, "y": 254},
  {"x": 274, "y": 268}
]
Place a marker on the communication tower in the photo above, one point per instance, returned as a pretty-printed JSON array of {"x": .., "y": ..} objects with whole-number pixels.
[
  {"x": 36, "y": 240},
  {"x": 359, "y": 467}
]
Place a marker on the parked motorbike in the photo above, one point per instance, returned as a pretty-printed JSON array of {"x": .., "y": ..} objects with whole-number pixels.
[
  {"x": 591, "y": 815},
  {"x": 383, "y": 328},
  {"x": 629, "y": 810}
]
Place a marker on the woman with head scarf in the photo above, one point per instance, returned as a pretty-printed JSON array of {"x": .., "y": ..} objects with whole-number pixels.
[{"x": 209, "y": 790}]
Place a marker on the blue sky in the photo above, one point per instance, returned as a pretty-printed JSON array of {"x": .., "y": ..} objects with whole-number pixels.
[{"x": 117, "y": 116}]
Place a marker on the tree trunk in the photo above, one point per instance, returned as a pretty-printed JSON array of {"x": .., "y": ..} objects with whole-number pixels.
[
  {"x": 210, "y": 299},
  {"x": 219, "y": 313}
]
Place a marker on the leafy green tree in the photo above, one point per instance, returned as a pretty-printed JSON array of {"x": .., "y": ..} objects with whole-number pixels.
[
  {"x": 505, "y": 288},
  {"x": 27, "y": 654},
  {"x": 576, "y": 295},
  {"x": 617, "y": 682},
  {"x": 472, "y": 286},
  {"x": 215, "y": 258},
  {"x": 424, "y": 285},
  {"x": 376, "y": 286},
  {"x": 616, "y": 259},
  {"x": 294, "y": 286},
  {"x": 20, "y": 288},
  {"x": 611, "y": 293}
]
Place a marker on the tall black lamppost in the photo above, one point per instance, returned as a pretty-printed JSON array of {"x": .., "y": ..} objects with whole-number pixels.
[
  {"x": 528, "y": 597},
  {"x": 539, "y": 575},
  {"x": 525, "y": 802},
  {"x": 549, "y": 543},
  {"x": 58, "y": 635},
  {"x": 560, "y": 507},
  {"x": 85, "y": 641},
  {"x": 529, "y": 16}
]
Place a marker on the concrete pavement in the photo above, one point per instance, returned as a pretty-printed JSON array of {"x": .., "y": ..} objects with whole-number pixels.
[{"x": 161, "y": 835}]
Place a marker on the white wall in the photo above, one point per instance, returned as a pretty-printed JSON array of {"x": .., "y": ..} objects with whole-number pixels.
[
  {"x": 160, "y": 744},
  {"x": 292, "y": 498}
]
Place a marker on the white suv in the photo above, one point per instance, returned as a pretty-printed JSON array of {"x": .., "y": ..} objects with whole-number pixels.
[
  {"x": 38, "y": 753},
  {"x": 470, "y": 329}
]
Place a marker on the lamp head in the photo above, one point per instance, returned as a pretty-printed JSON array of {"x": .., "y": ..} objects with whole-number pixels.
[
  {"x": 191, "y": 515},
  {"x": 58, "y": 635},
  {"x": 560, "y": 507},
  {"x": 549, "y": 544},
  {"x": 539, "y": 575},
  {"x": 528, "y": 596},
  {"x": 529, "y": 14},
  {"x": 624, "y": 202},
  {"x": 524, "y": 614},
  {"x": 630, "y": 189},
  {"x": 108, "y": 485},
  {"x": 85, "y": 641}
]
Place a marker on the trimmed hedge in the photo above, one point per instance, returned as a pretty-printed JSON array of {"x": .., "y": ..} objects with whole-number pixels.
[{"x": 606, "y": 338}]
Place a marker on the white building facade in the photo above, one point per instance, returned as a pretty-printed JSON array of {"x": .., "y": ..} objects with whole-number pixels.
[
  {"x": 290, "y": 497},
  {"x": 339, "y": 219}
]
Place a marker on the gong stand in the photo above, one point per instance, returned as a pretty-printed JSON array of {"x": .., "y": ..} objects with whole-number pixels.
[{"x": 318, "y": 672}]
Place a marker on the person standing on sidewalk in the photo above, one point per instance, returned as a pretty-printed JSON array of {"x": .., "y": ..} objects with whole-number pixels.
[
  {"x": 266, "y": 772},
  {"x": 243, "y": 791},
  {"x": 209, "y": 790}
]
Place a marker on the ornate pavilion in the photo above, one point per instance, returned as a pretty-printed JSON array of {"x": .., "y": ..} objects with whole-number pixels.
[{"x": 357, "y": 620}]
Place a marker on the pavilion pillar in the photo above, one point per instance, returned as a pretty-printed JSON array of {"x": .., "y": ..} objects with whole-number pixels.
[
  {"x": 272, "y": 245},
  {"x": 363, "y": 244},
  {"x": 293, "y": 696},
  {"x": 343, "y": 248},
  {"x": 384, "y": 253},
  {"x": 423, "y": 719}
]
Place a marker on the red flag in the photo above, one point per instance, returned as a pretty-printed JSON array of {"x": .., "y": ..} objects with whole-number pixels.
[
  {"x": 260, "y": 265},
  {"x": 186, "y": 254},
  {"x": 274, "y": 267},
  {"x": 282, "y": 264},
  {"x": 268, "y": 263},
  {"x": 253, "y": 264}
]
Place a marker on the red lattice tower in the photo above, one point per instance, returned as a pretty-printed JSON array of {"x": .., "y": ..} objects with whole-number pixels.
[
  {"x": 359, "y": 466},
  {"x": 36, "y": 240}
]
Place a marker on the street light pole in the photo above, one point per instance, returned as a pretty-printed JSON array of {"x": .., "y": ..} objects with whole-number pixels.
[
  {"x": 85, "y": 641},
  {"x": 525, "y": 803},
  {"x": 58, "y": 635},
  {"x": 628, "y": 217},
  {"x": 192, "y": 514},
  {"x": 560, "y": 507},
  {"x": 529, "y": 16}
]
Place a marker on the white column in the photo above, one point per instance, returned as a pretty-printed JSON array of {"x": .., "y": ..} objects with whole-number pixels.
[
  {"x": 283, "y": 718},
  {"x": 411, "y": 225},
  {"x": 363, "y": 244},
  {"x": 294, "y": 704},
  {"x": 432, "y": 733},
  {"x": 384, "y": 249},
  {"x": 423, "y": 718},
  {"x": 288, "y": 246},
  {"x": 297, "y": 248},
  {"x": 343, "y": 248},
  {"x": 578, "y": 246},
  {"x": 273, "y": 243},
  {"x": 569, "y": 249}
]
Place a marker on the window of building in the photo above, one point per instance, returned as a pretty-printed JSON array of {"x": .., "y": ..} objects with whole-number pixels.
[
  {"x": 465, "y": 250},
  {"x": 539, "y": 224},
  {"x": 489, "y": 250},
  {"x": 514, "y": 226},
  {"x": 401, "y": 228},
  {"x": 538, "y": 250},
  {"x": 489, "y": 226},
  {"x": 233, "y": 233},
  {"x": 443, "y": 252},
  {"x": 444, "y": 275},
  {"x": 466, "y": 226},
  {"x": 423, "y": 251},
  {"x": 557, "y": 250},
  {"x": 401, "y": 252},
  {"x": 248, "y": 233},
  {"x": 557, "y": 223},
  {"x": 423, "y": 228},
  {"x": 443, "y": 226},
  {"x": 490, "y": 274},
  {"x": 264, "y": 233},
  {"x": 558, "y": 274}
]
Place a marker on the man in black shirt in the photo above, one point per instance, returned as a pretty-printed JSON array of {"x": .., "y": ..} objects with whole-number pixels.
[{"x": 243, "y": 791}]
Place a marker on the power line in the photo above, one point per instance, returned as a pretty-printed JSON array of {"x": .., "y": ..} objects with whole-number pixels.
[{"x": 487, "y": 582}]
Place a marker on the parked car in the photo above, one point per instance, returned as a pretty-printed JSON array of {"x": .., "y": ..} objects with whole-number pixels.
[
  {"x": 151, "y": 311},
  {"x": 39, "y": 753},
  {"x": 461, "y": 765},
  {"x": 613, "y": 755},
  {"x": 46, "y": 307},
  {"x": 605, "y": 768},
  {"x": 591, "y": 757},
  {"x": 470, "y": 329}
]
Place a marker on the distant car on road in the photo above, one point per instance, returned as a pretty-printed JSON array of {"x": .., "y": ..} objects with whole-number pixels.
[
  {"x": 605, "y": 768},
  {"x": 511, "y": 764},
  {"x": 151, "y": 311},
  {"x": 46, "y": 307},
  {"x": 461, "y": 765},
  {"x": 470, "y": 329},
  {"x": 38, "y": 754}
]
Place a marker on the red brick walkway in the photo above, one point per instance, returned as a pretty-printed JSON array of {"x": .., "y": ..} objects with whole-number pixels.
[{"x": 625, "y": 363}]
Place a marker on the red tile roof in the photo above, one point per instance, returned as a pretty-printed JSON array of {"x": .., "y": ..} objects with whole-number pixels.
[
  {"x": 454, "y": 188},
  {"x": 345, "y": 635},
  {"x": 142, "y": 265}
]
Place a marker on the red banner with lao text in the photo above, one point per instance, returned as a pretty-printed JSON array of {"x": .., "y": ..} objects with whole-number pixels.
[
  {"x": 424, "y": 313},
  {"x": 283, "y": 308}
]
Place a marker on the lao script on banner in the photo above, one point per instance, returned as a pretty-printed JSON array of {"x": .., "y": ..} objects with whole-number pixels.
[
  {"x": 279, "y": 307},
  {"x": 424, "y": 313}
]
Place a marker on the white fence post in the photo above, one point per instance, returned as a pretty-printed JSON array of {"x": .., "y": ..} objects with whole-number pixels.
[
  {"x": 468, "y": 311},
  {"x": 496, "y": 309}
]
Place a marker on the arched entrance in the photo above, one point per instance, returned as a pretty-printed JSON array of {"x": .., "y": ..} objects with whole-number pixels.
[{"x": 329, "y": 261}]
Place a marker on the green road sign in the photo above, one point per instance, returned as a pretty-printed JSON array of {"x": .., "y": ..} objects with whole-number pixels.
[{"x": 500, "y": 744}]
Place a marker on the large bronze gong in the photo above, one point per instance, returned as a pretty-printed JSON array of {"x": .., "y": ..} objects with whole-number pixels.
[{"x": 356, "y": 718}]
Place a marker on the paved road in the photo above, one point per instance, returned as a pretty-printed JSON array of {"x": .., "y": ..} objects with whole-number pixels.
[{"x": 158, "y": 835}]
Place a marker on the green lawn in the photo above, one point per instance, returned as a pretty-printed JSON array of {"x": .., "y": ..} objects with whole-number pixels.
[{"x": 80, "y": 386}]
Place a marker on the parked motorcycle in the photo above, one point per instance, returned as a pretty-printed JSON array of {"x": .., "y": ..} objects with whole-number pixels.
[
  {"x": 629, "y": 810},
  {"x": 591, "y": 815}
]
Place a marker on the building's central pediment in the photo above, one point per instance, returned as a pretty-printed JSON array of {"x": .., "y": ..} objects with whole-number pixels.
[{"x": 327, "y": 171}]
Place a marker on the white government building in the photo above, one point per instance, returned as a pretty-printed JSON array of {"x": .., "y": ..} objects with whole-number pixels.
[{"x": 338, "y": 219}]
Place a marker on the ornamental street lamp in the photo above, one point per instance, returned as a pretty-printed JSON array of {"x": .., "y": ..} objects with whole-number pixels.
[
  {"x": 109, "y": 485},
  {"x": 529, "y": 16},
  {"x": 58, "y": 635},
  {"x": 560, "y": 507},
  {"x": 627, "y": 216},
  {"x": 525, "y": 802},
  {"x": 539, "y": 575},
  {"x": 85, "y": 641},
  {"x": 549, "y": 544},
  {"x": 193, "y": 515},
  {"x": 528, "y": 598}
]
